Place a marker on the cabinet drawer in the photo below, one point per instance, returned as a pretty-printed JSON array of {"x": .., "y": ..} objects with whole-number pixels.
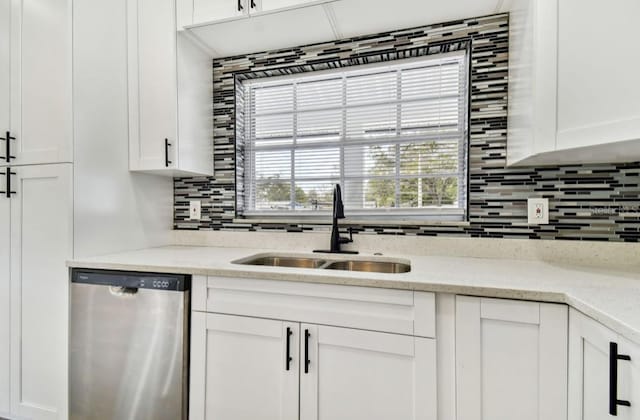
[{"x": 394, "y": 311}]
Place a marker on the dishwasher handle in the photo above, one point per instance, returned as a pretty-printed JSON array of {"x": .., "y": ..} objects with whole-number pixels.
[{"x": 122, "y": 291}]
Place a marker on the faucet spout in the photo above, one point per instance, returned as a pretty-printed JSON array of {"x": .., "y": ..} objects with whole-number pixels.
[
  {"x": 338, "y": 213},
  {"x": 338, "y": 205}
]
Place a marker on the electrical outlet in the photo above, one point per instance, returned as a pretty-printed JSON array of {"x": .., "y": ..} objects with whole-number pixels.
[
  {"x": 194, "y": 210},
  {"x": 538, "y": 211}
]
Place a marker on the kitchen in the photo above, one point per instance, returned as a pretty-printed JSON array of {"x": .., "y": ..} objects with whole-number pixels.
[{"x": 316, "y": 209}]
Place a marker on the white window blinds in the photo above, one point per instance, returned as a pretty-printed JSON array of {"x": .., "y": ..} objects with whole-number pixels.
[{"x": 394, "y": 136}]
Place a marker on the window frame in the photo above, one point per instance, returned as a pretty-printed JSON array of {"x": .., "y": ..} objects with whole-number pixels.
[{"x": 391, "y": 214}]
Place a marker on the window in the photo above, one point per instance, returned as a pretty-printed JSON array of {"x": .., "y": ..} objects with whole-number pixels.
[{"x": 394, "y": 135}]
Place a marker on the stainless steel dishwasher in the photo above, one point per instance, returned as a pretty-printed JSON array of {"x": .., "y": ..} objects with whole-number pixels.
[{"x": 128, "y": 349}]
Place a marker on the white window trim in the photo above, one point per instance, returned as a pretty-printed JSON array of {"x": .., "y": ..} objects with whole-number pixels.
[{"x": 425, "y": 214}]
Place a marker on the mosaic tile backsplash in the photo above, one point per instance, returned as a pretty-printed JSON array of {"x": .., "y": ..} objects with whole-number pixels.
[{"x": 587, "y": 202}]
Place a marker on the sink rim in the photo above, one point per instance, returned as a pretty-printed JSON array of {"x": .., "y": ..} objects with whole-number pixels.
[
  {"x": 328, "y": 260},
  {"x": 403, "y": 268},
  {"x": 255, "y": 261}
]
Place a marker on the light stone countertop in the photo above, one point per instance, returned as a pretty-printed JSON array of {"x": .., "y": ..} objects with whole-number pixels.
[{"x": 610, "y": 296}]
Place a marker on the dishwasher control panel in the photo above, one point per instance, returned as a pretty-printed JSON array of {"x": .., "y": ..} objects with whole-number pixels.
[{"x": 132, "y": 280}]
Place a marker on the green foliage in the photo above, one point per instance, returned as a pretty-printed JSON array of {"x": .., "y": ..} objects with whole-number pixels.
[
  {"x": 424, "y": 188},
  {"x": 436, "y": 191}
]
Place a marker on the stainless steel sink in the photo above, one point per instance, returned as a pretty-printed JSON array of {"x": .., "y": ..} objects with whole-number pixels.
[
  {"x": 370, "y": 266},
  {"x": 295, "y": 262}
]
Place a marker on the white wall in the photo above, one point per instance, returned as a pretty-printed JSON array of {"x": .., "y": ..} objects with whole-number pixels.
[{"x": 114, "y": 209}]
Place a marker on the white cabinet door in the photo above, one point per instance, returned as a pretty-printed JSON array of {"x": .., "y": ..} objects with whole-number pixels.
[
  {"x": 5, "y": 297},
  {"x": 511, "y": 360},
  {"x": 153, "y": 106},
  {"x": 590, "y": 352},
  {"x": 170, "y": 79},
  {"x": 239, "y": 368},
  {"x": 564, "y": 106},
  {"x": 628, "y": 385},
  {"x": 215, "y": 10},
  {"x": 5, "y": 73},
  {"x": 40, "y": 63},
  {"x": 348, "y": 374},
  {"x": 41, "y": 242},
  {"x": 598, "y": 100},
  {"x": 272, "y": 5}
]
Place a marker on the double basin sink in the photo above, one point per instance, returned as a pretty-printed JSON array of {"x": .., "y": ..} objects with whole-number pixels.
[{"x": 369, "y": 266}]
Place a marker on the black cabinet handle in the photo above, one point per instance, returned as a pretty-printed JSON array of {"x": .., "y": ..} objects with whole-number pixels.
[
  {"x": 240, "y": 7},
  {"x": 7, "y": 192},
  {"x": 167, "y": 162},
  {"x": 614, "y": 402},
  {"x": 253, "y": 4},
  {"x": 7, "y": 138},
  {"x": 307, "y": 362},
  {"x": 289, "y": 358}
]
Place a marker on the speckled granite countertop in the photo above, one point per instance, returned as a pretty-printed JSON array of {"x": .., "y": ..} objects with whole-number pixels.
[{"x": 610, "y": 296}]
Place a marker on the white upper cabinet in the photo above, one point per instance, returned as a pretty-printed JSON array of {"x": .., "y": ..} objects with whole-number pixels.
[
  {"x": 271, "y": 5},
  {"x": 35, "y": 81},
  {"x": 573, "y": 91},
  {"x": 170, "y": 90},
  {"x": 5, "y": 74},
  {"x": 511, "y": 359},
  {"x": 604, "y": 372},
  {"x": 598, "y": 89},
  {"x": 214, "y": 10},
  {"x": 236, "y": 27}
]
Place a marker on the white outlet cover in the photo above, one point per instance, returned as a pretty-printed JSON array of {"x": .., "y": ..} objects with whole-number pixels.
[
  {"x": 194, "y": 210},
  {"x": 538, "y": 211}
]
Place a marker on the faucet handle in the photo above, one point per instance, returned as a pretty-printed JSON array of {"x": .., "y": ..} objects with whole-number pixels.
[{"x": 344, "y": 240}]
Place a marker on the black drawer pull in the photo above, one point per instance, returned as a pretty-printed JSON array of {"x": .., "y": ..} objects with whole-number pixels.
[
  {"x": 614, "y": 402},
  {"x": 289, "y": 358},
  {"x": 7, "y": 138},
  {"x": 167, "y": 162},
  {"x": 240, "y": 6},
  {"x": 7, "y": 173},
  {"x": 307, "y": 362}
]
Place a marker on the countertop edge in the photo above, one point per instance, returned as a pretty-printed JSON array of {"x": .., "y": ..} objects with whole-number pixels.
[{"x": 434, "y": 286}]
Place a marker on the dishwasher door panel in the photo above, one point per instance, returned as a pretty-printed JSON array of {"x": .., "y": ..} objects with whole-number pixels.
[{"x": 127, "y": 353}]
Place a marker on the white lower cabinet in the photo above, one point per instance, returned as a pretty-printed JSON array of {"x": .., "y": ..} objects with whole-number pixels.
[
  {"x": 37, "y": 220},
  {"x": 348, "y": 374},
  {"x": 242, "y": 371},
  {"x": 275, "y": 350},
  {"x": 5, "y": 300},
  {"x": 511, "y": 359},
  {"x": 261, "y": 349},
  {"x": 247, "y": 368},
  {"x": 601, "y": 384}
]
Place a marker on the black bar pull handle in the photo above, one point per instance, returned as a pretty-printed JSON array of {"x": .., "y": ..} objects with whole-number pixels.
[
  {"x": 167, "y": 162},
  {"x": 7, "y": 174},
  {"x": 240, "y": 6},
  {"x": 289, "y": 358},
  {"x": 614, "y": 356},
  {"x": 307, "y": 362},
  {"x": 7, "y": 139},
  {"x": 253, "y": 4}
]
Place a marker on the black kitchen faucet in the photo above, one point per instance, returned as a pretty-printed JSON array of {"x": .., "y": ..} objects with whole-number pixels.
[{"x": 338, "y": 213}]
